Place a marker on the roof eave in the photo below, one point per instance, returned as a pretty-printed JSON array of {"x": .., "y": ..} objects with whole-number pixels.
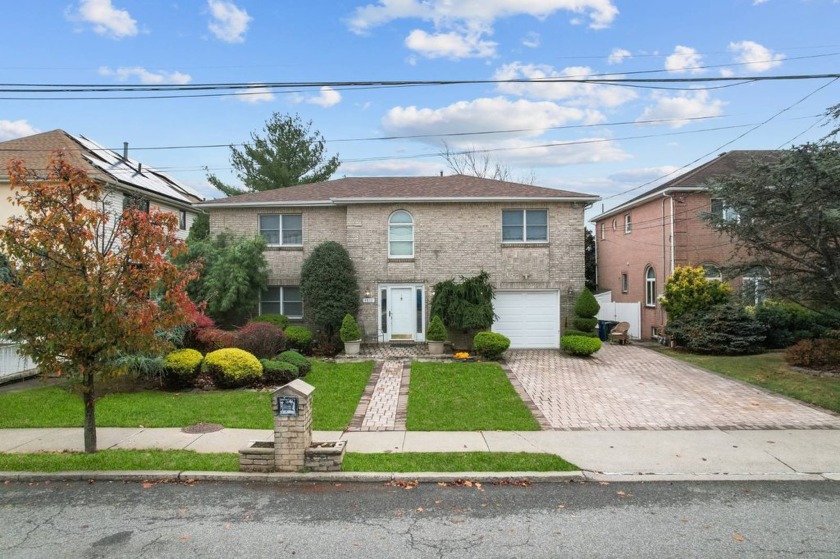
[
  {"x": 401, "y": 200},
  {"x": 652, "y": 196}
]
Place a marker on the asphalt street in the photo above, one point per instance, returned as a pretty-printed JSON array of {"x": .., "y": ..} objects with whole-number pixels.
[{"x": 582, "y": 519}]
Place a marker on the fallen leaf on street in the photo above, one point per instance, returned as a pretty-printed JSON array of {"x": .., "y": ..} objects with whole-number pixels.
[{"x": 738, "y": 537}]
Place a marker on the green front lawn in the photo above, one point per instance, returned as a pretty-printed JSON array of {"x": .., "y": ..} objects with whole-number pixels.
[
  {"x": 770, "y": 371},
  {"x": 339, "y": 384},
  {"x": 181, "y": 460},
  {"x": 177, "y": 460},
  {"x": 465, "y": 397}
]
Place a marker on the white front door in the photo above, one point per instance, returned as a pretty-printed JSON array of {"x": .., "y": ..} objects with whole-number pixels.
[{"x": 402, "y": 315}]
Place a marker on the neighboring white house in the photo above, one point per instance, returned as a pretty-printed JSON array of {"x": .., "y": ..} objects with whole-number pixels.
[{"x": 128, "y": 180}]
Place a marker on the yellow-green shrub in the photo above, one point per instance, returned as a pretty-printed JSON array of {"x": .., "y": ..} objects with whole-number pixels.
[
  {"x": 232, "y": 367},
  {"x": 182, "y": 365}
]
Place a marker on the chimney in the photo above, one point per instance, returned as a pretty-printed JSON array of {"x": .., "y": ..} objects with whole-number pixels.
[
  {"x": 125, "y": 151},
  {"x": 441, "y": 173}
]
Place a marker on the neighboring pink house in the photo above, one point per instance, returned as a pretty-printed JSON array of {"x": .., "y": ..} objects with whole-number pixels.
[{"x": 639, "y": 243}]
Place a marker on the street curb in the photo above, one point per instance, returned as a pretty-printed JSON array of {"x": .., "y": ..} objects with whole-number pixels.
[{"x": 402, "y": 477}]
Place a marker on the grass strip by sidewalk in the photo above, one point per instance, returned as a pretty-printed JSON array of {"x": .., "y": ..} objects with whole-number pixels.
[
  {"x": 770, "y": 371},
  {"x": 339, "y": 388},
  {"x": 180, "y": 460},
  {"x": 465, "y": 397},
  {"x": 456, "y": 462}
]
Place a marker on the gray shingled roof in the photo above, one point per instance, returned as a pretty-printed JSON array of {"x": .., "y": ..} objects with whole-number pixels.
[
  {"x": 100, "y": 163},
  {"x": 361, "y": 189},
  {"x": 726, "y": 163}
]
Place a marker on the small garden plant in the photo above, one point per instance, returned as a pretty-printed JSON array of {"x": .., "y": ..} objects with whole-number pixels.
[
  {"x": 181, "y": 366},
  {"x": 299, "y": 338},
  {"x": 436, "y": 331},
  {"x": 490, "y": 345},
  {"x": 349, "y": 331},
  {"x": 582, "y": 340}
]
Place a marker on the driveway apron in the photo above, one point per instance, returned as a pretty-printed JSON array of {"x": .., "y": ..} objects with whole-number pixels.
[{"x": 627, "y": 387}]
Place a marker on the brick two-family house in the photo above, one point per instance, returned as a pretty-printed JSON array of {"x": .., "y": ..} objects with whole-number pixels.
[
  {"x": 640, "y": 242},
  {"x": 405, "y": 234},
  {"x": 126, "y": 180}
]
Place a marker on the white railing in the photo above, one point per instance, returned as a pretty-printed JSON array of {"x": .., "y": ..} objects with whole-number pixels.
[{"x": 13, "y": 365}]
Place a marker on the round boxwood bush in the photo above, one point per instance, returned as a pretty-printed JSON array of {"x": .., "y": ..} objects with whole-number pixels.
[
  {"x": 436, "y": 331},
  {"x": 302, "y": 363},
  {"x": 299, "y": 337},
  {"x": 182, "y": 365},
  {"x": 278, "y": 320},
  {"x": 580, "y": 345},
  {"x": 574, "y": 332},
  {"x": 279, "y": 372},
  {"x": 232, "y": 367},
  {"x": 584, "y": 324},
  {"x": 490, "y": 345}
]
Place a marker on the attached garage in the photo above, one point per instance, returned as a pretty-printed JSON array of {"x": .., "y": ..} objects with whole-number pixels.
[{"x": 531, "y": 319}]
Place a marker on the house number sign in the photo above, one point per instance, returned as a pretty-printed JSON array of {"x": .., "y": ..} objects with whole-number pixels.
[{"x": 287, "y": 406}]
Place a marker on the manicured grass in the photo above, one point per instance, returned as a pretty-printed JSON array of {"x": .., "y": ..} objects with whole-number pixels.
[
  {"x": 339, "y": 387},
  {"x": 456, "y": 462},
  {"x": 770, "y": 371},
  {"x": 120, "y": 460},
  {"x": 465, "y": 397}
]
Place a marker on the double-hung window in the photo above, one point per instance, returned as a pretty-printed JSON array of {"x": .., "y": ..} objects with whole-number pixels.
[
  {"x": 524, "y": 226},
  {"x": 628, "y": 223},
  {"x": 720, "y": 209},
  {"x": 282, "y": 229},
  {"x": 285, "y": 300},
  {"x": 182, "y": 220}
]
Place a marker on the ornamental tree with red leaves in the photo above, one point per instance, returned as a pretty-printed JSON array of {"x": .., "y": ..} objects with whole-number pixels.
[{"x": 89, "y": 284}]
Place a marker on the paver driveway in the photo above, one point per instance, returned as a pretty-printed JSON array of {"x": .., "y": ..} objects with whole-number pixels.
[{"x": 630, "y": 387}]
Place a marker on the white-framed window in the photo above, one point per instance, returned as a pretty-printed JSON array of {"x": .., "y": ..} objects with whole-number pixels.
[
  {"x": 603, "y": 231},
  {"x": 615, "y": 224},
  {"x": 754, "y": 284},
  {"x": 625, "y": 287},
  {"x": 182, "y": 220},
  {"x": 650, "y": 287},
  {"x": 711, "y": 272},
  {"x": 282, "y": 229},
  {"x": 524, "y": 226},
  {"x": 719, "y": 208},
  {"x": 628, "y": 224},
  {"x": 400, "y": 235},
  {"x": 282, "y": 299}
]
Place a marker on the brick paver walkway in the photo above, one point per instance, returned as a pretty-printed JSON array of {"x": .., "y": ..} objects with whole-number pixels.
[
  {"x": 384, "y": 409},
  {"x": 630, "y": 388}
]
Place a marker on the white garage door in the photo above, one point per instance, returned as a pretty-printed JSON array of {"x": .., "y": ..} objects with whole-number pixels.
[{"x": 529, "y": 318}]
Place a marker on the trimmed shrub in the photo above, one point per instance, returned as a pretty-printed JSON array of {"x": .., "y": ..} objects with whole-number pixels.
[
  {"x": 787, "y": 323},
  {"x": 465, "y": 307},
  {"x": 302, "y": 363},
  {"x": 580, "y": 345},
  {"x": 436, "y": 331},
  {"x": 688, "y": 291},
  {"x": 329, "y": 287},
  {"x": 299, "y": 338},
  {"x": 349, "y": 329},
  {"x": 721, "y": 330},
  {"x": 574, "y": 332},
  {"x": 232, "y": 367},
  {"x": 823, "y": 353},
  {"x": 585, "y": 325},
  {"x": 278, "y": 320},
  {"x": 279, "y": 372},
  {"x": 261, "y": 339},
  {"x": 182, "y": 365},
  {"x": 490, "y": 345},
  {"x": 587, "y": 306}
]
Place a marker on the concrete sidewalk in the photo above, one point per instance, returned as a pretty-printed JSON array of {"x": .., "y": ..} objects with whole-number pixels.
[{"x": 788, "y": 454}]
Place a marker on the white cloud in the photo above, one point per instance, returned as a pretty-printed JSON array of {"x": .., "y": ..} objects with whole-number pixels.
[
  {"x": 11, "y": 129},
  {"x": 684, "y": 105},
  {"x": 757, "y": 58},
  {"x": 601, "y": 13},
  {"x": 684, "y": 59},
  {"x": 758, "y": 2},
  {"x": 106, "y": 19},
  {"x": 579, "y": 94},
  {"x": 326, "y": 98},
  {"x": 617, "y": 56},
  {"x": 229, "y": 23},
  {"x": 531, "y": 40},
  {"x": 145, "y": 76},
  {"x": 255, "y": 95},
  {"x": 449, "y": 45}
]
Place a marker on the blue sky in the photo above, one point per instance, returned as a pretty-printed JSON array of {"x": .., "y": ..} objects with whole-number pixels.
[{"x": 258, "y": 41}]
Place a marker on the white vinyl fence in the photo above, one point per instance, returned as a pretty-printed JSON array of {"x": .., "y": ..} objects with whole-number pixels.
[
  {"x": 621, "y": 312},
  {"x": 12, "y": 364}
]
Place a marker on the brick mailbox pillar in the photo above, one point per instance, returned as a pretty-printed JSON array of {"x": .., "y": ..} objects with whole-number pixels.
[{"x": 292, "y": 405}]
